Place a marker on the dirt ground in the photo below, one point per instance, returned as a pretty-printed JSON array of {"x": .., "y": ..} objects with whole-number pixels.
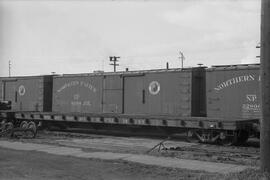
[
  {"x": 248, "y": 155},
  {"x": 33, "y": 165},
  {"x": 29, "y": 165}
]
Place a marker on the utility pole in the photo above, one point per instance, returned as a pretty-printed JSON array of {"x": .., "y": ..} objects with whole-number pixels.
[
  {"x": 9, "y": 68},
  {"x": 182, "y": 58},
  {"x": 114, "y": 60},
  {"x": 265, "y": 86}
]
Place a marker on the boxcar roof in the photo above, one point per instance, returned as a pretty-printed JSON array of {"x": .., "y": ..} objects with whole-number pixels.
[
  {"x": 127, "y": 73},
  {"x": 233, "y": 67},
  {"x": 14, "y": 78},
  {"x": 98, "y": 73}
]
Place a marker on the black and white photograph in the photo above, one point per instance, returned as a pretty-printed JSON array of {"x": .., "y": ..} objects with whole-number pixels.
[{"x": 134, "y": 89}]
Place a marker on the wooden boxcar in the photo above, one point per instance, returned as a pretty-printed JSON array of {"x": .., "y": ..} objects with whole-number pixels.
[
  {"x": 233, "y": 91},
  {"x": 160, "y": 92}
]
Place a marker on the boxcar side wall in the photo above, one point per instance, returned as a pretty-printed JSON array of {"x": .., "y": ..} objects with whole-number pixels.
[
  {"x": 77, "y": 94},
  {"x": 160, "y": 93},
  {"x": 29, "y": 94},
  {"x": 172, "y": 96},
  {"x": 26, "y": 93},
  {"x": 233, "y": 93}
]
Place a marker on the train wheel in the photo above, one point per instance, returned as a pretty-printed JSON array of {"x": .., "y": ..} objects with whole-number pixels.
[
  {"x": 30, "y": 130},
  {"x": 33, "y": 127},
  {"x": 192, "y": 136},
  {"x": 24, "y": 125}
]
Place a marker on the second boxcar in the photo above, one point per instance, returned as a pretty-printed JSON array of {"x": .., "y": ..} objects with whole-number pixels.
[{"x": 176, "y": 92}]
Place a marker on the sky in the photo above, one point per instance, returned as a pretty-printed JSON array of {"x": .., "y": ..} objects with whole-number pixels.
[{"x": 66, "y": 36}]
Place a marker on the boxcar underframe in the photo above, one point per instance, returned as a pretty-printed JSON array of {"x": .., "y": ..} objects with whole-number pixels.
[{"x": 203, "y": 129}]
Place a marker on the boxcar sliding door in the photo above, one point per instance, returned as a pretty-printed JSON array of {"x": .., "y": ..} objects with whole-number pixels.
[{"x": 134, "y": 95}]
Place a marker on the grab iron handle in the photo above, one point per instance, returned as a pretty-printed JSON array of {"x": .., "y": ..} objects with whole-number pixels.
[{"x": 143, "y": 96}]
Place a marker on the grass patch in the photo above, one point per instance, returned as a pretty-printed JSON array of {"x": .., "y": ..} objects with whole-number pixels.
[{"x": 248, "y": 174}]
